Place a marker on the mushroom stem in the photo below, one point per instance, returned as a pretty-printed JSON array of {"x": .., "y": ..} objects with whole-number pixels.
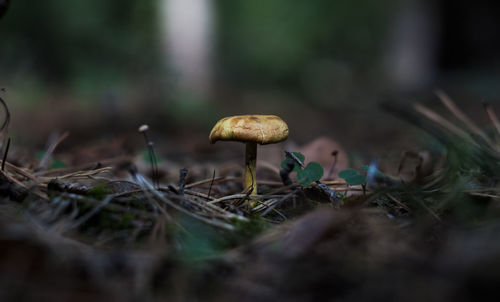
[{"x": 250, "y": 178}]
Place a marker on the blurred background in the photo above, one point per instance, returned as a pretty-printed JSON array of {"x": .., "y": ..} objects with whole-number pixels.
[{"x": 101, "y": 68}]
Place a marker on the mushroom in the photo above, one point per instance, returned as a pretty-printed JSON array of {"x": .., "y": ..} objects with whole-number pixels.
[{"x": 252, "y": 130}]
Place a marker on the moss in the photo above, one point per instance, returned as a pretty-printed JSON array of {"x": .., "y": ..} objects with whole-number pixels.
[
  {"x": 246, "y": 230},
  {"x": 99, "y": 192}
]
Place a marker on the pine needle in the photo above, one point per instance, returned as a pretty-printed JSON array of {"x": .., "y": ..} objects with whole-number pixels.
[
  {"x": 453, "y": 108},
  {"x": 433, "y": 116}
]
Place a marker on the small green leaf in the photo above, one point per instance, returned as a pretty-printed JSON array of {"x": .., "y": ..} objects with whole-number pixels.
[
  {"x": 311, "y": 173},
  {"x": 356, "y": 180},
  {"x": 348, "y": 173},
  {"x": 296, "y": 167},
  {"x": 352, "y": 177}
]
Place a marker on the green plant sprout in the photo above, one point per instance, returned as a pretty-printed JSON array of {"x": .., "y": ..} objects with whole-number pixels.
[{"x": 306, "y": 175}]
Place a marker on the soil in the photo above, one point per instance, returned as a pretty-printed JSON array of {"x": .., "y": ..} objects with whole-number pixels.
[{"x": 97, "y": 228}]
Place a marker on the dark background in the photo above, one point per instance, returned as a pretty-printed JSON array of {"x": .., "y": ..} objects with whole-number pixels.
[{"x": 101, "y": 68}]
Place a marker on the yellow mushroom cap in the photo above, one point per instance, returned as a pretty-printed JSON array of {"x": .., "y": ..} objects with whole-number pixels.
[{"x": 261, "y": 129}]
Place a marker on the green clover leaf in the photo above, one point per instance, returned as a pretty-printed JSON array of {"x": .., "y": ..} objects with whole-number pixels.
[
  {"x": 296, "y": 167},
  {"x": 348, "y": 173},
  {"x": 352, "y": 177},
  {"x": 356, "y": 180},
  {"x": 311, "y": 173}
]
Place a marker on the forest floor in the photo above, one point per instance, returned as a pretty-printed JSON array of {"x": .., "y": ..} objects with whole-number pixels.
[{"x": 107, "y": 221}]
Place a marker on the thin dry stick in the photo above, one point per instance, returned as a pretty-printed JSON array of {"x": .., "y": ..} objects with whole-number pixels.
[
  {"x": 90, "y": 213},
  {"x": 295, "y": 158},
  {"x": 149, "y": 188},
  {"x": 333, "y": 182},
  {"x": 85, "y": 174},
  {"x": 205, "y": 181},
  {"x": 207, "y": 212},
  {"x": 271, "y": 183},
  {"x": 188, "y": 192},
  {"x": 43, "y": 181},
  {"x": 105, "y": 162},
  {"x": 211, "y": 184},
  {"x": 115, "y": 207},
  {"x": 5, "y": 154},
  {"x": 485, "y": 195},
  {"x": 492, "y": 115},
  {"x": 203, "y": 204},
  {"x": 399, "y": 203},
  {"x": 428, "y": 209},
  {"x": 213, "y": 209},
  {"x": 17, "y": 182},
  {"x": 350, "y": 188},
  {"x": 157, "y": 194},
  {"x": 19, "y": 171},
  {"x": 267, "y": 205},
  {"x": 482, "y": 190},
  {"x": 433, "y": 116},
  {"x": 145, "y": 185},
  {"x": 239, "y": 196},
  {"x": 437, "y": 177},
  {"x": 45, "y": 159},
  {"x": 263, "y": 204},
  {"x": 198, "y": 194},
  {"x": 225, "y": 179},
  {"x": 453, "y": 108},
  {"x": 280, "y": 201},
  {"x": 5, "y": 124},
  {"x": 230, "y": 197}
]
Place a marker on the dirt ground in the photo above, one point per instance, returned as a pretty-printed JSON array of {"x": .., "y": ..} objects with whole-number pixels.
[{"x": 83, "y": 231}]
